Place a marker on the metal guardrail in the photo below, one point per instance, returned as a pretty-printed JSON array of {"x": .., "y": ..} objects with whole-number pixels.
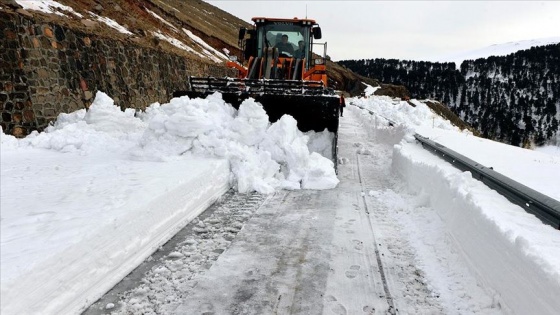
[{"x": 542, "y": 206}]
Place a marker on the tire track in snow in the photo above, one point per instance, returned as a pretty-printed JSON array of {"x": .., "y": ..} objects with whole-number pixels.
[
  {"x": 372, "y": 144},
  {"x": 388, "y": 295},
  {"x": 170, "y": 273},
  {"x": 423, "y": 270}
]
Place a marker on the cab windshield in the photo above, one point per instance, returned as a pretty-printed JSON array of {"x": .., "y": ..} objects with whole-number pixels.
[{"x": 291, "y": 40}]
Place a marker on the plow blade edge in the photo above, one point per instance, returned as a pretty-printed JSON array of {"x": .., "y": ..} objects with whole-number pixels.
[{"x": 312, "y": 112}]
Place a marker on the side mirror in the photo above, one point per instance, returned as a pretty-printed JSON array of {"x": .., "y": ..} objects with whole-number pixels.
[
  {"x": 242, "y": 33},
  {"x": 250, "y": 48},
  {"x": 317, "y": 33}
]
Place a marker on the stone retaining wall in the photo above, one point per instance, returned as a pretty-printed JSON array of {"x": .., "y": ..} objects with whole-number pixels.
[{"x": 47, "y": 69}]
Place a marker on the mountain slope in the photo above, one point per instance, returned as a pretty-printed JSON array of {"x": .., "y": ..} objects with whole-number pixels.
[
  {"x": 182, "y": 27},
  {"x": 496, "y": 50}
]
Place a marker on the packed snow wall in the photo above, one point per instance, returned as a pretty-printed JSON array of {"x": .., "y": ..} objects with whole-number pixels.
[
  {"x": 48, "y": 69},
  {"x": 513, "y": 265}
]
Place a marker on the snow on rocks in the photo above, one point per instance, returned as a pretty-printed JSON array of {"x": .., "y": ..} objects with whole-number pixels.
[
  {"x": 370, "y": 90},
  {"x": 47, "y": 6},
  {"x": 212, "y": 53},
  {"x": 111, "y": 23}
]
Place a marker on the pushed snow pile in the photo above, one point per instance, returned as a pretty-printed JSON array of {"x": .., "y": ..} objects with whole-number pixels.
[
  {"x": 102, "y": 129},
  {"x": 263, "y": 156}
]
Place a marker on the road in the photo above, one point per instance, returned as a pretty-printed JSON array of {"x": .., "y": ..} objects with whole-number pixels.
[{"x": 296, "y": 252}]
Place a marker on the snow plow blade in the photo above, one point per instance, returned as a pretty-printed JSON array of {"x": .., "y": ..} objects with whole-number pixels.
[
  {"x": 312, "y": 112},
  {"x": 311, "y": 105}
]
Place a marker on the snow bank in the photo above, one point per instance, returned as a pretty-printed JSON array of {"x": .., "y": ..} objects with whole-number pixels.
[
  {"x": 73, "y": 226},
  {"x": 80, "y": 212},
  {"x": 536, "y": 170},
  {"x": 510, "y": 251},
  {"x": 549, "y": 149},
  {"x": 402, "y": 113}
]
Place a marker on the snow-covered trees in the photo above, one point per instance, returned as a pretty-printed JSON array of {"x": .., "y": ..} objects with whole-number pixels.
[{"x": 513, "y": 98}]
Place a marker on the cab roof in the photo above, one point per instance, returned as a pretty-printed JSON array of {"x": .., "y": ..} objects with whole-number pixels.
[{"x": 259, "y": 19}]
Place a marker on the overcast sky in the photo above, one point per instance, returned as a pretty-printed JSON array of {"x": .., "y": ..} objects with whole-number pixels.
[{"x": 417, "y": 30}]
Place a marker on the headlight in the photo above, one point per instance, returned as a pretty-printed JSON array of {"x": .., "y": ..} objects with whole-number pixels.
[{"x": 319, "y": 61}]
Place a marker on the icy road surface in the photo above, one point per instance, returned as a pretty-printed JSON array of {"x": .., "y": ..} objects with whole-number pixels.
[{"x": 339, "y": 251}]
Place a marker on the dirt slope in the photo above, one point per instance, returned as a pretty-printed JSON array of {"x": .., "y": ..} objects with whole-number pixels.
[{"x": 172, "y": 18}]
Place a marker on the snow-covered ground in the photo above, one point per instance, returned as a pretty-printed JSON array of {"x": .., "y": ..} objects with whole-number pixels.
[{"x": 85, "y": 201}]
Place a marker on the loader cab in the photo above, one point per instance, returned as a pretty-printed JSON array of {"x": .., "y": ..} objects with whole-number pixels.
[{"x": 268, "y": 33}]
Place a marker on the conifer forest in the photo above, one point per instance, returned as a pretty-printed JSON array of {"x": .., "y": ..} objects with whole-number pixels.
[{"x": 513, "y": 99}]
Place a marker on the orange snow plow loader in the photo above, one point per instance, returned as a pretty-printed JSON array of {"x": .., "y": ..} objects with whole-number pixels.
[{"x": 279, "y": 71}]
